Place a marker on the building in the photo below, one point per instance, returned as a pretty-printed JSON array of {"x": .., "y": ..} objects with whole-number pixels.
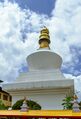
[
  {"x": 5, "y": 97},
  {"x": 44, "y": 82}
]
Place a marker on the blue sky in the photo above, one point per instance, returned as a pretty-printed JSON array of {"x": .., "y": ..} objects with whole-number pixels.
[
  {"x": 20, "y": 24},
  {"x": 38, "y": 6}
]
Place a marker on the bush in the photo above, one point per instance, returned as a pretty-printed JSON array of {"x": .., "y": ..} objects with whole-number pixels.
[
  {"x": 2, "y": 106},
  {"x": 67, "y": 103},
  {"x": 80, "y": 105},
  {"x": 31, "y": 104}
]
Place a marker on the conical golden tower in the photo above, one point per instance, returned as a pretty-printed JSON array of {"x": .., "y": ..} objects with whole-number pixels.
[{"x": 44, "y": 38}]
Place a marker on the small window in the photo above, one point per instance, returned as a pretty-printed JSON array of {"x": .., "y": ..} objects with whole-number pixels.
[
  {"x": 5, "y": 97},
  {"x": 0, "y": 95},
  {"x": 10, "y": 99}
]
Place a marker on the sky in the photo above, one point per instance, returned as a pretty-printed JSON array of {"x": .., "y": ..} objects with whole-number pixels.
[{"x": 20, "y": 24}]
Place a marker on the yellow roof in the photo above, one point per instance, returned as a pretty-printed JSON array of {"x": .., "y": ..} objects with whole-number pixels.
[{"x": 42, "y": 113}]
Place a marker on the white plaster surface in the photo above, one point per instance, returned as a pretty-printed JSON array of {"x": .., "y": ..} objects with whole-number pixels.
[
  {"x": 42, "y": 75},
  {"x": 43, "y": 60},
  {"x": 47, "y": 101},
  {"x": 44, "y": 82},
  {"x": 49, "y": 94}
]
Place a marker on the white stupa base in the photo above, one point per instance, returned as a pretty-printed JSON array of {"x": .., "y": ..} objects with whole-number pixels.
[
  {"x": 44, "y": 82},
  {"x": 49, "y": 94}
]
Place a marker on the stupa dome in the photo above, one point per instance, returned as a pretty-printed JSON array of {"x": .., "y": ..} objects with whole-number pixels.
[{"x": 44, "y": 60}]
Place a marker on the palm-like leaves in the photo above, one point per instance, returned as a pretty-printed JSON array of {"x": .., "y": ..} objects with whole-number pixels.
[{"x": 67, "y": 103}]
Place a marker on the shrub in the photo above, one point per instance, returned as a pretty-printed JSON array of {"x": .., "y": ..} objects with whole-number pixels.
[
  {"x": 31, "y": 104},
  {"x": 2, "y": 106},
  {"x": 67, "y": 103},
  {"x": 80, "y": 105}
]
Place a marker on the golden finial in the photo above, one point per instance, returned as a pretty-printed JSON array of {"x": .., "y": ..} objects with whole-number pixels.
[
  {"x": 24, "y": 106},
  {"x": 75, "y": 97},
  {"x": 25, "y": 98},
  {"x": 44, "y": 38}
]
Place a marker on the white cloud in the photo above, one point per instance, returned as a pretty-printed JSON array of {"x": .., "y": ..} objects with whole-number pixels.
[
  {"x": 17, "y": 25},
  {"x": 77, "y": 84},
  {"x": 68, "y": 17},
  {"x": 11, "y": 47}
]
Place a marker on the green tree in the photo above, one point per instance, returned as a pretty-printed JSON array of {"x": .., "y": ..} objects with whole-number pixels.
[
  {"x": 80, "y": 105},
  {"x": 67, "y": 103},
  {"x": 31, "y": 104},
  {"x": 2, "y": 106}
]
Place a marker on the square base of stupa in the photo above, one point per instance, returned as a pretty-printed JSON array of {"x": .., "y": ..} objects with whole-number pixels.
[{"x": 49, "y": 94}]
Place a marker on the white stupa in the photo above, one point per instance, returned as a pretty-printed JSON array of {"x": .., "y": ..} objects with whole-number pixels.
[{"x": 44, "y": 82}]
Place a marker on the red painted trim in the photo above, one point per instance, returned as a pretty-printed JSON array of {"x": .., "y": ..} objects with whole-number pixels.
[{"x": 25, "y": 117}]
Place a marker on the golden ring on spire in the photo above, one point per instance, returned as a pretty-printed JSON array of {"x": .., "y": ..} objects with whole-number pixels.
[{"x": 44, "y": 38}]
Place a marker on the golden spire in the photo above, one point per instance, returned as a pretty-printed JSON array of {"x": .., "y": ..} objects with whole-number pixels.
[
  {"x": 44, "y": 38},
  {"x": 75, "y": 97}
]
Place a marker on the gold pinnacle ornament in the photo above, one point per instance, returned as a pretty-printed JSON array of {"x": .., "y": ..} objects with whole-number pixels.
[
  {"x": 75, "y": 97},
  {"x": 44, "y": 38}
]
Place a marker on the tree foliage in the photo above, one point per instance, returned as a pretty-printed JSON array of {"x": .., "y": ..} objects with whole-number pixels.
[
  {"x": 2, "y": 106},
  {"x": 31, "y": 104},
  {"x": 80, "y": 105},
  {"x": 67, "y": 103}
]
